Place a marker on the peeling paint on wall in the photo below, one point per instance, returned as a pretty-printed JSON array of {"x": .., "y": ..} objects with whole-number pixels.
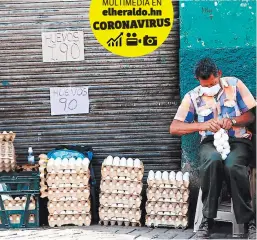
[{"x": 217, "y": 23}]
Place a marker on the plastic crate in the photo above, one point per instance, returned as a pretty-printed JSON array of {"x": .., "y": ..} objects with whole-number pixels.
[{"x": 22, "y": 184}]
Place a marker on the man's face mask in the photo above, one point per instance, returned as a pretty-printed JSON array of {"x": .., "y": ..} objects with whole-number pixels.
[{"x": 210, "y": 91}]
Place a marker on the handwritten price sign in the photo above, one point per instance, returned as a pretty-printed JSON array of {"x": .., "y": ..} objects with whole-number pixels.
[
  {"x": 63, "y": 46},
  {"x": 69, "y": 100}
]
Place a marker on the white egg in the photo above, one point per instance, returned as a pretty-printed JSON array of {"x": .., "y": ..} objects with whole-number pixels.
[
  {"x": 179, "y": 176},
  {"x": 130, "y": 162},
  {"x": 137, "y": 162},
  {"x": 165, "y": 175},
  {"x": 225, "y": 137},
  {"x": 172, "y": 175},
  {"x": 109, "y": 158},
  {"x": 151, "y": 175},
  {"x": 186, "y": 176},
  {"x": 123, "y": 162},
  {"x": 226, "y": 151},
  {"x": 216, "y": 143},
  {"x": 226, "y": 144},
  {"x": 224, "y": 156},
  {"x": 158, "y": 175},
  {"x": 221, "y": 142},
  {"x": 219, "y": 148},
  {"x": 116, "y": 159},
  {"x": 217, "y": 136}
]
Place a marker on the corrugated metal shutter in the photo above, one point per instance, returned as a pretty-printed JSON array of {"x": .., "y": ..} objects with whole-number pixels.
[{"x": 132, "y": 100}]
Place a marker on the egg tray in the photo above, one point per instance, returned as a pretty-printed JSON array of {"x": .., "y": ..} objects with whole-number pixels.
[
  {"x": 119, "y": 215},
  {"x": 123, "y": 168},
  {"x": 85, "y": 221},
  {"x": 69, "y": 198},
  {"x": 131, "y": 204},
  {"x": 69, "y": 180},
  {"x": 65, "y": 210},
  {"x": 120, "y": 205},
  {"x": 124, "y": 222},
  {"x": 126, "y": 191},
  {"x": 68, "y": 171},
  {"x": 177, "y": 198},
  {"x": 126, "y": 208},
  {"x": 126, "y": 201},
  {"x": 129, "y": 177},
  {"x": 68, "y": 194},
  {"x": 19, "y": 207},
  {"x": 171, "y": 208},
  {"x": 176, "y": 212},
  {"x": 167, "y": 184},
  {"x": 8, "y": 137},
  {"x": 168, "y": 201},
  {"x": 173, "y": 188}
]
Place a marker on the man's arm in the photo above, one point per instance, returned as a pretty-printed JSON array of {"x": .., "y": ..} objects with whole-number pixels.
[
  {"x": 180, "y": 128},
  {"x": 241, "y": 121}
]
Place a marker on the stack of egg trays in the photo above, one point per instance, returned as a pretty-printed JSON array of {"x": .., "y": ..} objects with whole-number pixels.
[
  {"x": 120, "y": 197},
  {"x": 167, "y": 203},
  {"x": 7, "y": 152},
  {"x": 69, "y": 197}
]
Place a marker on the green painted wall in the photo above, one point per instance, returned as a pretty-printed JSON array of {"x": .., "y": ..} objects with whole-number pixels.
[{"x": 226, "y": 32}]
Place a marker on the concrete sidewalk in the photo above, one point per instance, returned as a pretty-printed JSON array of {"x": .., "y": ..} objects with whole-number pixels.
[{"x": 97, "y": 232}]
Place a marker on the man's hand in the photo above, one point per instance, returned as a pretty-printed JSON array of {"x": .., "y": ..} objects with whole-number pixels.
[
  {"x": 211, "y": 125},
  {"x": 225, "y": 123}
]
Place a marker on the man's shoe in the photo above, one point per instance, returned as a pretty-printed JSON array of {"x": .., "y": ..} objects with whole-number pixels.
[
  {"x": 204, "y": 228},
  {"x": 252, "y": 229}
]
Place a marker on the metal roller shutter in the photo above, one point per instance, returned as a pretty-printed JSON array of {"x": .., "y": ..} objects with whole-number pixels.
[{"x": 132, "y": 100}]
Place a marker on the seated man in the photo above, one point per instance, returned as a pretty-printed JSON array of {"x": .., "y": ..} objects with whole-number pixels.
[{"x": 220, "y": 103}]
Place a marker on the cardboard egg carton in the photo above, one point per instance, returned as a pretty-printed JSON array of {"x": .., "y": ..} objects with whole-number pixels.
[
  {"x": 125, "y": 209},
  {"x": 8, "y": 137},
  {"x": 61, "y": 206},
  {"x": 19, "y": 203},
  {"x": 168, "y": 184},
  {"x": 65, "y": 208},
  {"x": 74, "y": 219},
  {"x": 118, "y": 212},
  {"x": 7, "y": 157},
  {"x": 167, "y": 207},
  {"x": 65, "y": 172},
  {"x": 120, "y": 221},
  {"x": 121, "y": 185},
  {"x": 57, "y": 194},
  {"x": 172, "y": 195},
  {"x": 125, "y": 199},
  {"x": 67, "y": 178},
  {"x": 131, "y": 173},
  {"x": 166, "y": 221}
]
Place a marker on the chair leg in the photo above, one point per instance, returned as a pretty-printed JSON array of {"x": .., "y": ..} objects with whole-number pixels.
[
  {"x": 237, "y": 229},
  {"x": 198, "y": 212}
]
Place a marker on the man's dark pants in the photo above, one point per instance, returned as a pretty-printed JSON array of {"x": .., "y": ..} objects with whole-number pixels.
[{"x": 234, "y": 170}]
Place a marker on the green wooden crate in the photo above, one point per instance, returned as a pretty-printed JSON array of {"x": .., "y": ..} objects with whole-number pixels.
[{"x": 20, "y": 184}]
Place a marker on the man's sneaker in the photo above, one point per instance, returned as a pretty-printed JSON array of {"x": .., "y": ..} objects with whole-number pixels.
[
  {"x": 204, "y": 228},
  {"x": 252, "y": 229}
]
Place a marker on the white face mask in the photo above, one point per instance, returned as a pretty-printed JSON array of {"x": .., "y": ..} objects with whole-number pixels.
[{"x": 210, "y": 91}]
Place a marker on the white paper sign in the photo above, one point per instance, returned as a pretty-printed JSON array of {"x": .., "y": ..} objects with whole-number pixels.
[
  {"x": 69, "y": 100},
  {"x": 63, "y": 46}
]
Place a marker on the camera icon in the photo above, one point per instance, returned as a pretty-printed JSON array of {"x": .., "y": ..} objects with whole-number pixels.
[{"x": 149, "y": 41}]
